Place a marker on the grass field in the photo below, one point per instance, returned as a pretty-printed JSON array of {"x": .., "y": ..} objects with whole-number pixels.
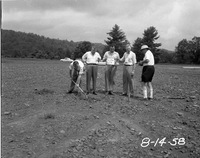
[{"x": 40, "y": 120}]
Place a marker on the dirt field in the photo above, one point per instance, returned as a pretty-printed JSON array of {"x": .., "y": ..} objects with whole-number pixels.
[{"x": 40, "y": 120}]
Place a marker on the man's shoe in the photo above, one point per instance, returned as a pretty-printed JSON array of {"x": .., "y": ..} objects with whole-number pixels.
[
  {"x": 110, "y": 93},
  {"x": 149, "y": 98},
  {"x": 124, "y": 94},
  {"x": 69, "y": 92},
  {"x": 94, "y": 93}
]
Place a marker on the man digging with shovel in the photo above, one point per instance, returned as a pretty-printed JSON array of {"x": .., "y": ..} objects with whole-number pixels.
[{"x": 76, "y": 69}]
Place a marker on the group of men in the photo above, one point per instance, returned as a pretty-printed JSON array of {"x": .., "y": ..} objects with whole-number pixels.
[{"x": 91, "y": 59}]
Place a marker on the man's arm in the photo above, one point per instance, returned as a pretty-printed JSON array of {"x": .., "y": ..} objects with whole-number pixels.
[
  {"x": 99, "y": 58},
  {"x": 117, "y": 59},
  {"x": 122, "y": 59},
  {"x": 104, "y": 57},
  {"x": 134, "y": 63},
  {"x": 70, "y": 73},
  {"x": 145, "y": 61},
  {"x": 84, "y": 57}
]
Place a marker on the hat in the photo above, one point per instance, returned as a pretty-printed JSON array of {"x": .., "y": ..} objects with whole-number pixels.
[{"x": 144, "y": 47}]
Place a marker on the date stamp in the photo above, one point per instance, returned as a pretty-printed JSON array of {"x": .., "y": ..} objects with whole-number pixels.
[{"x": 175, "y": 141}]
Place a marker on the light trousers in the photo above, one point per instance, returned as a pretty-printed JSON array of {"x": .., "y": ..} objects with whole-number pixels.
[
  {"x": 109, "y": 77},
  {"x": 91, "y": 73},
  {"x": 127, "y": 79}
]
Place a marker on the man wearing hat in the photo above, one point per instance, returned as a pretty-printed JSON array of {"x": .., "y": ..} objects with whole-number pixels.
[{"x": 147, "y": 71}]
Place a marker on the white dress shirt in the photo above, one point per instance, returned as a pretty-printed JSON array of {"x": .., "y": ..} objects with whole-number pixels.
[
  {"x": 129, "y": 58},
  {"x": 149, "y": 55},
  {"x": 89, "y": 58}
]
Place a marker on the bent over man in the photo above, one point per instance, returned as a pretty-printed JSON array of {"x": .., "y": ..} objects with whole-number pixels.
[{"x": 76, "y": 69}]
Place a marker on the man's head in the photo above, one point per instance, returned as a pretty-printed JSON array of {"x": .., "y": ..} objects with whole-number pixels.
[
  {"x": 76, "y": 65},
  {"x": 144, "y": 48},
  {"x": 112, "y": 48},
  {"x": 93, "y": 49},
  {"x": 128, "y": 48}
]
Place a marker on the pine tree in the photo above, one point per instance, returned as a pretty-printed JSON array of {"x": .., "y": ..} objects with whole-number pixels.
[
  {"x": 150, "y": 35},
  {"x": 149, "y": 38},
  {"x": 117, "y": 38},
  {"x": 136, "y": 48}
]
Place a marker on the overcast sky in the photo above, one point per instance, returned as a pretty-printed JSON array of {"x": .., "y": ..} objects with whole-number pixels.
[{"x": 91, "y": 20}]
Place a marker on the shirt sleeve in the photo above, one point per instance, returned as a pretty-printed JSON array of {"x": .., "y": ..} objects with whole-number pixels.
[
  {"x": 84, "y": 57},
  {"x": 147, "y": 56},
  {"x": 105, "y": 56},
  {"x": 71, "y": 66},
  {"x": 134, "y": 59},
  {"x": 123, "y": 58},
  {"x": 118, "y": 56},
  {"x": 99, "y": 57}
]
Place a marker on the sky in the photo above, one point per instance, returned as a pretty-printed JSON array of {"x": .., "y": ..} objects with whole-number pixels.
[{"x": 91, "y": 20}]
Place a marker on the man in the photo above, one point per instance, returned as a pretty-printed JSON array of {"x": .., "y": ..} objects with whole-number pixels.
[
  {"x": 147, "y": 71},
  {"x": 111, "y": 57},
  {"x": 129, "y": 59},
  {"x": 91, "y": 59},
  {"x": 76, "y": 69}
]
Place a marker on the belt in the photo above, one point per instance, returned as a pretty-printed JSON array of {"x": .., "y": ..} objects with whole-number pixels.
[
  {"x": 91, "y": 64},
  {"x": 149, "y": 65},
  {"x": 128, "y": 65}
]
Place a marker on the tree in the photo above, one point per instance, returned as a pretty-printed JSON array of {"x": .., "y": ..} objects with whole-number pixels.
[
  {"x": 182, "y": 51},
  {"x": 20, "y": 44},
  {"x": 117, "y": 38},
  {"x": 196, "y": 50},
  {"x": 150, "y": 35},
  {"x": 81, "y": 49},
  {"x": 149, "y": 38},
  {"x": 188, "y": 51},
  {"x": 166, "y": 56},
  {"x": 136, "y": 48}
]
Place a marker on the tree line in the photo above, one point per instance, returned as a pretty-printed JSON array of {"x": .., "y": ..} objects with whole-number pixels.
[{"x": 29, "y": 45}]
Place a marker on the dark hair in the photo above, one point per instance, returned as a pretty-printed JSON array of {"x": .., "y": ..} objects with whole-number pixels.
[{"x": 75, "y": 64}]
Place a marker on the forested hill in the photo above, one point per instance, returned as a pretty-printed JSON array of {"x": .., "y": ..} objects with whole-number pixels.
[{"x": 20, "y": 44}]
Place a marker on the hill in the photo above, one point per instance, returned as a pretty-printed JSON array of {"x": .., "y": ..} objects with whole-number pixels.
[
  {"x": 21, "y": 44},
  {"x": 167, "y": 51}
]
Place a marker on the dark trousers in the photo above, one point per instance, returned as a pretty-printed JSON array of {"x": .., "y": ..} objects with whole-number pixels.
[
  {"x": 74, "y": 78},
  {"x": 148, "y": 73}
]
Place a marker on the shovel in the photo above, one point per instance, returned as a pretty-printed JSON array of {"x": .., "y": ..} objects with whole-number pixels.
[{"x": 77, "y": 85}]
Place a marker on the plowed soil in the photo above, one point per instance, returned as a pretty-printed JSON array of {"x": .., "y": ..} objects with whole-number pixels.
[{"x": 40, "y": 120}]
